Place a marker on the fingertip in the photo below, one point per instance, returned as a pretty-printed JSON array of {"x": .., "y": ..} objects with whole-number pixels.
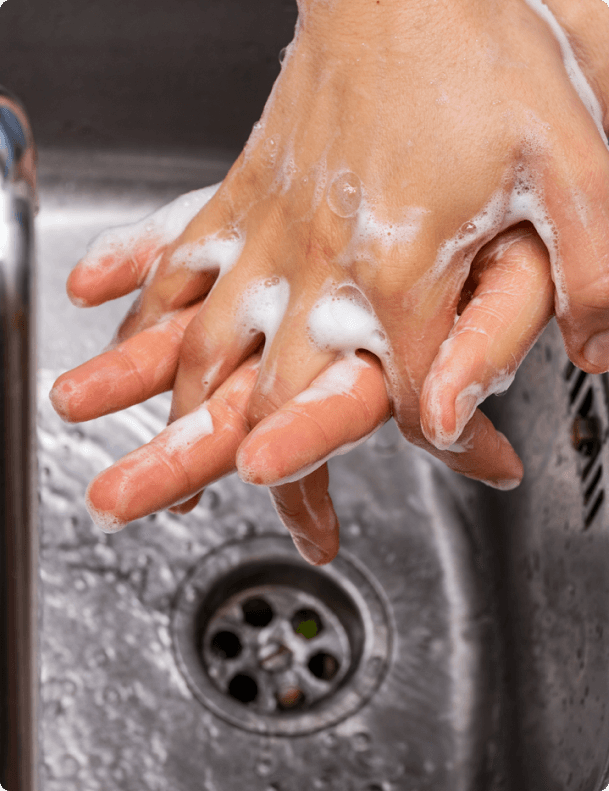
[
  {"x": 313, "y": 554},
  {"x": 444, "y": 417},
  {"x": 507, "y": 484},
  {"x": 181, "y": 508},
  {"x": 60, "y": 398},
  {"x": 253, "y": 460},
  {"x": 101, "y": 511},
  {"x": 78, "y": 302},
  {"x": 595, "y": 353}
]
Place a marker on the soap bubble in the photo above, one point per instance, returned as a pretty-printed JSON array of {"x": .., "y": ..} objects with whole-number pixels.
[{"x": 345, "y": 194}]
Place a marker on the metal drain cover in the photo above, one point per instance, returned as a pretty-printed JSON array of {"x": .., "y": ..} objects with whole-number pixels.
[{"x": 278, "y": 647}]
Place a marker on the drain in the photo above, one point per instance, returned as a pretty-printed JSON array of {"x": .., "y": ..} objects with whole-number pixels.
[{"x": 275, "y": 646}]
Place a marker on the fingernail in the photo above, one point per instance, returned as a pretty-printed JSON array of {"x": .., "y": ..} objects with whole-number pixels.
[
  {"x": 309, "y": 551},
  {"x": 465, "y": 406},
  {"x": 596, "y": 351}
]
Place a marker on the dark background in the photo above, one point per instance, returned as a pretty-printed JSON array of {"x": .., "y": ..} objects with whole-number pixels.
[{"x": 93, "y": 73}]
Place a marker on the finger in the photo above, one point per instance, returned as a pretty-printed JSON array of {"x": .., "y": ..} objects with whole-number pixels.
[
  {"x": 189, "y": 454},
  {"x": 306, "y": 509},
  {"x": 289, "y": 365},
  {"x": 132, "y": 372},
  {"x": 220, "y": 337},
  {"x": 307, "y": 430},
  {"x": 188, "y": 506},
  {"x": 299, "y": 437},
  {"x": 206, "y": 250},
  {"x": 576, "y": 186},
  {"x": 119, "y": 260},
  {"x": 511, "y": 305},
  {"x": 417, "y": 322},
  {"x": 290, "y": 362}
]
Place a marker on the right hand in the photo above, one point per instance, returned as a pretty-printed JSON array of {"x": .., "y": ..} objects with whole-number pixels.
[{"x": 301, "y": 434}]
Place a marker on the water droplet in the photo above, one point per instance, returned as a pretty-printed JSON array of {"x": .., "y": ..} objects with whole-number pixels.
[
  {"x": 282, "y": 54},
  {"x": 361, "y": 741},
  {"x": 429, "y": 767},
  {"x": 67, "y": 766},
  {"x": 270, "y": 151},
  {"x": 271, "y": 281},
  {"x": 469, "y": 227},
  {"x": 264, "y": 767},
  {"x": 111, "y": 696},
  {"x": 246, "y": 528},
  {"x": 354, "y": 529},
  {"x": 345, "y": 194},
  {"x": 329, "y": 740}
]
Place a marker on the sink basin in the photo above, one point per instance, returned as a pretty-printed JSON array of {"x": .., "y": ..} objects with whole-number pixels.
[
  {"x": 459, "y": 640},
  {"x": 127, "y": 700},
  {"x": 473, "y": 622}
]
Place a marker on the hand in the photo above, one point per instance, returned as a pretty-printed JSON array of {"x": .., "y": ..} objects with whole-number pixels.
[
  {"x": 304, "y": 432},
  {"x": 444, "y": 152}
]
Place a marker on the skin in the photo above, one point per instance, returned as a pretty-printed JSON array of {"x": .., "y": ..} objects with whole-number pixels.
[{"x": 366, "y": 88}]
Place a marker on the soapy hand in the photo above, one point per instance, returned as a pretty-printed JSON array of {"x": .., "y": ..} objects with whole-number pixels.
[
  {"x": 397, "y": 142},
  {"x": 201, "y": 447}
]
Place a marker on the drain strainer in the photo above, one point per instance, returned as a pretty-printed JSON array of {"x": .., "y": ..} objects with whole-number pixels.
[{"x": 275, "y": 646}]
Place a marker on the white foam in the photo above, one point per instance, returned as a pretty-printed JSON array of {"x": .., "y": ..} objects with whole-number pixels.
[
  {"x": 345, "y": 321},
  {"x": 215, "y": 253},
  {"x": 103, "y": 519},
  {"x": 574, "y": 72},
  {"x": 369, "y": 229},
  {"x": 161, "y": 227},
  {"x": 263, "y": 306},
  {"x": 338, "y": 379},
  {"x": 187, "y": 430}
]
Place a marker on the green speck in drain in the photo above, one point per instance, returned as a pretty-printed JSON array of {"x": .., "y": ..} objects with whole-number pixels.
[{"x": 307, "y": 628}]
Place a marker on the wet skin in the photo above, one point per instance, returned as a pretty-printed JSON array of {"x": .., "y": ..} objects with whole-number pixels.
[{"x": 365, "y": 90}]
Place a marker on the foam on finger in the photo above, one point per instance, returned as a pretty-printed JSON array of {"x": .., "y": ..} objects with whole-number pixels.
[{"x": 156, "y": 230}]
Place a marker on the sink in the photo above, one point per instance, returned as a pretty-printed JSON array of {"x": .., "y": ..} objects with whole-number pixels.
[
  {"x": 128, "y": 699},
  {"x": 459, "y": 640}
]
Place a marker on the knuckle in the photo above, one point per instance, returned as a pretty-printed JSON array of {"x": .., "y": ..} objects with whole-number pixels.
[
  {"x": 193, "y": 351},
  {"x": 261, "y": 405}
]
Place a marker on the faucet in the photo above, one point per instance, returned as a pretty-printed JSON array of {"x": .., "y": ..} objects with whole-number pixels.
[{"x": 19, "y": 676}]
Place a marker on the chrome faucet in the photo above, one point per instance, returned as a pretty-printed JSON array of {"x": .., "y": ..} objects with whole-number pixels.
[{"x": 19, "y": 677}]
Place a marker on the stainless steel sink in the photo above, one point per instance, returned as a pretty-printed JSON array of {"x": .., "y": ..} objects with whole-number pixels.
[
  {"x": 487, "y": 668},
  {"x": 128, "y": 700},
  {"x": 459, "y": 641}
]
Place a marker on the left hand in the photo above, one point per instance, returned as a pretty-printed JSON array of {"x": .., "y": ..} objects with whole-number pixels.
[{"x": 299, "y": 435}]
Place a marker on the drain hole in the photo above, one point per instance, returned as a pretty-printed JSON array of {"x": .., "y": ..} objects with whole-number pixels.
[
  {"x": 323, "y": 666},
  {"x": 257, "y": 612},
  {"x": 581, "y": 377},
  {"x": 226, "y": 645},
  {"x": 292, "y": 698},
  {"x": 307, "y": 623},
  {"x": 593, "y": 484},
  {"x": 243, "y": 688},
  {"x": 594, "y": 510}
]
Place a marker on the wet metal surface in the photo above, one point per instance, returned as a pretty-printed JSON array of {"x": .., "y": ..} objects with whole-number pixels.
[
  {"x": 117, "y": 710},
  {"x": 495, "y": 605}
]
